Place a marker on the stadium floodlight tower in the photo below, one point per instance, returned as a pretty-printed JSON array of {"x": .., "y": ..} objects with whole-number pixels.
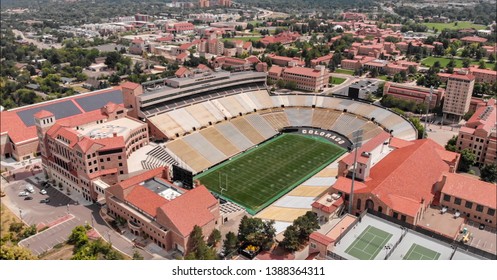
[
  {"x": 357, "y": 143},
  {"x": 425, "y": 133}
]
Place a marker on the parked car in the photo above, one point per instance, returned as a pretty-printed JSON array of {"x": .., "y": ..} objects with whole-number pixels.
[
  {"x": 30, "y": 188},
  {"x": 43, "y": 191},
  {"x": 23, "y": 193},
  {"x": 28, "y": 198},
  {"x": 46, "y": 200}
]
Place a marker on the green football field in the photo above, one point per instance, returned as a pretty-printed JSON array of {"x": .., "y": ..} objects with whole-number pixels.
[{"x": 263, "y": 174}]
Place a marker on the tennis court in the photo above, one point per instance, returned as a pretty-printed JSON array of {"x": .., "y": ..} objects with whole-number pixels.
[
  {"x": 369, "y": 243},
  {"x": 418, "y": 252}
]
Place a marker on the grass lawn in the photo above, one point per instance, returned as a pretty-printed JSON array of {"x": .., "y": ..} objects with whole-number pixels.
[
  {"x": 460, "y": 25},
  {"x": 7, "y": 218},
  {"x": 429, "y": 61},
  {"x": 336, "y": 80},
  {"x": 344, "y": 71},
  {"x": 258, "y": 177},
  {"x": 245, "y": 39},
  {"x": 382, "y": 77}
]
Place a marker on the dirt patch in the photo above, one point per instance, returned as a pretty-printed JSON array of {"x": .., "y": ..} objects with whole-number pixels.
[{"x": 63, "y": 252}]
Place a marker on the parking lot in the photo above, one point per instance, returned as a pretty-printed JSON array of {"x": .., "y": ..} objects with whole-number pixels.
[
  {"x": 34, "y": 212},
  {"x": 484, "y": 239}
]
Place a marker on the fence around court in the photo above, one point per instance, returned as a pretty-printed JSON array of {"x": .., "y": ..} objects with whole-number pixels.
[
  {"x": 352, "y": 225},
  {"x": 455, "y": 244}
]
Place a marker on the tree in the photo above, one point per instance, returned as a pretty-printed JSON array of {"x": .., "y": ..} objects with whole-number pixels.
[
  {"x": 114, "y": 79},
  {"x": 291, "y": 241},
  {"x": 256, "y": 232},
  {"x": 306, "y": 224},
  {"x": 8, "y": 252},
  {"x": 482, "y": 64},
  {"x": 451, "y": 144},
  {"x": 488, "y": 173},
  {"x": 417, "y": 124},
  {"x": 230, "y": 243},
  {"x": 468, "y": 159},
  {"x": 78, "y": 237},
  {"x": 491, "y": 58},
  {"x": 112, "y": 59},
  {"x": 214, "y": 238},
  {"x": 374, "y": 73},
  {"x": 466, "y": 62},
  {"x": 198, "y": 249},
  {"x": 137, "y": 255}
]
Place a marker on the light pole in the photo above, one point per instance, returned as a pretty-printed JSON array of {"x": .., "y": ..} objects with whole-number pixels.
[
  {"x": 20, "y": 214},
  {"x": 108, "y": 236},
  {"x": 357, "y": 143}
]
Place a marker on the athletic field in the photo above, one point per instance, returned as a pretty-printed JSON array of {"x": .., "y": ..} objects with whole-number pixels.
[
  {"x": 369, "y": 243},
  {"x": 263, "y": 174},
  {"x": 418, "y": 252}
]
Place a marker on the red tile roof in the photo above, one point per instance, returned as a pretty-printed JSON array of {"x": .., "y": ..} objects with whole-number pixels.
[
  {"x": 404, "y": 177},
  {"x": 399, "y": 143},
  {"x": 145, "y": 199},
  {"x": 303, "y": 71},
  {"x": 471, "y": 189},
  {"x": 368, "y": 147},
  {"x": 130, "y": 85},
  {"x": 190, "y": 209},
  {"x": 110, "y": 143},
  {"x": 321, "y": 238},
  {"x": 149, "y": 174},
  {"x": 43, "y": 114}
]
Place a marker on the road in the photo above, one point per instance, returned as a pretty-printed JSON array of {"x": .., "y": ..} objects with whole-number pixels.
[
  {"x": 61, "y": 214},
  {"x": 37, "y": 43}
]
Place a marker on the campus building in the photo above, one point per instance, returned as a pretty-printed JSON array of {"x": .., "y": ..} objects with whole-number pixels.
[
  {"x": 77, "y": 154},
  {"x": 414, "y": 93},
  {"x": 18, "y": 137},
  {"x": 474, "y": 199},
  {"x": 479, "y": 134},
  {"x": 458, "y": 95},
  {"x": 156, "y": 209},
  {"x": 308, "y": 79},
  {"x": 388, "y": 176}
]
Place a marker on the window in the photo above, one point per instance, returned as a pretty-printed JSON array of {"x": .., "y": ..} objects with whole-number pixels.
[
  {"x": 469, "y": 205},
  {"x": 101, "y": 160},
  {"x": 108, "y": 159},
  {"x": 120, "y": 164},
  {"x": 479, "y": 208},
  {"x": 446, "y": 197},
  {"x": 491, "y": 211},
  {"x": 457, "y": 201}
]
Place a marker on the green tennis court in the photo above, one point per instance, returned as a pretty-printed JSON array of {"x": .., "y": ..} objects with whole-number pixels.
[
  {"x": 369, "y": 244},
  {"x": 418, "y": 252}
]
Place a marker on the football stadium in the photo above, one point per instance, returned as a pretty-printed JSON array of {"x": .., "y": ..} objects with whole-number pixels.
[{"x": 248, "y": 146}]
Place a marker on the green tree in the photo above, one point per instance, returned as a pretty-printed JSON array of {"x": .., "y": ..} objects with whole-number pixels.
[
  {"x": 468, "y": 159},
  {"x": 466, "y": 62},
  {"x": 291, "y": 240},
  {"x": 78, "y": 237},
  {"x": 14, "y": 252},
  {"x": 114, "y": 79},
  {"x": 488, "y": 173},
  {"x": 256, "y": 232},
  {"x": 214, "y": 238},
  {"x": 230, "y": 243},
  {"x": 482, "y": 64},
  {"x": 451, "y": 144},
  {"x": 417, "y": 124},
  {"x": 112, "y": 59},
  {"x": 137, "y": 255},
  {"x": 491, "y": 58},
  {"x": 197, "y": 247},
  {"x": 306, "y": 224}
]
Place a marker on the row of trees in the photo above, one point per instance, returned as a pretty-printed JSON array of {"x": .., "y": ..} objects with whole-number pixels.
[
  {"x": 298, "y": 233},
  {"x": 85, "y": 249}
]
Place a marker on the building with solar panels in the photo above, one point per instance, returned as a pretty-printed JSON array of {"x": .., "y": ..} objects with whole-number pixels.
[
  {"x": 18, "y": 138},
  {"x": 81, "y": 157}
]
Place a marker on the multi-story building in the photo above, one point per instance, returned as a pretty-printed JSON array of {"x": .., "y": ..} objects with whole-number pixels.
[
  {"x": 473, "y": 199},
  {"x": 215, "y": 47},
  {"x": 308, "y": 79},
  {"x": 479, "y": 134},
  {"x": 458, "y": 95},
  {"x": 414, "y": 93},
  {"x": 77, "y": 155},
  {"x": 158, "y": 210},
  {"x": 284, "y": 60},
  {"x": 388, "y": 180},
  {"x": 483, "y": 75},
  {"x": 142, "y": 17},
  {"x": 18, "y": 139}
]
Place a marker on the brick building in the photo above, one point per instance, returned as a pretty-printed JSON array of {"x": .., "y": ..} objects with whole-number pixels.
[
  {"x": 308, "y": 79},
  {"x": 479, "y": 134},
  {"x": 77, "y": 155},
  {"x": 155, "y": 209},
  {"x": 414, "y": 93},
  {"x": 458, "y": 95}
]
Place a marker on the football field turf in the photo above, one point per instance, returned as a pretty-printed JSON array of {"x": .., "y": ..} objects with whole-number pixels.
[{"x": 263, "y": 174}]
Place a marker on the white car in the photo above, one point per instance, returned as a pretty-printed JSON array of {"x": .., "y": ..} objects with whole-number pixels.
[
  {"x": 30, "y": 188},
  {"x": 23, "y": 193},
  {"x": 43, "y": 191}
]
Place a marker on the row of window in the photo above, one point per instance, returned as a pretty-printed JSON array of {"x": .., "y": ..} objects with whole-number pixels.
[{"x": 469, "y": 204}]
